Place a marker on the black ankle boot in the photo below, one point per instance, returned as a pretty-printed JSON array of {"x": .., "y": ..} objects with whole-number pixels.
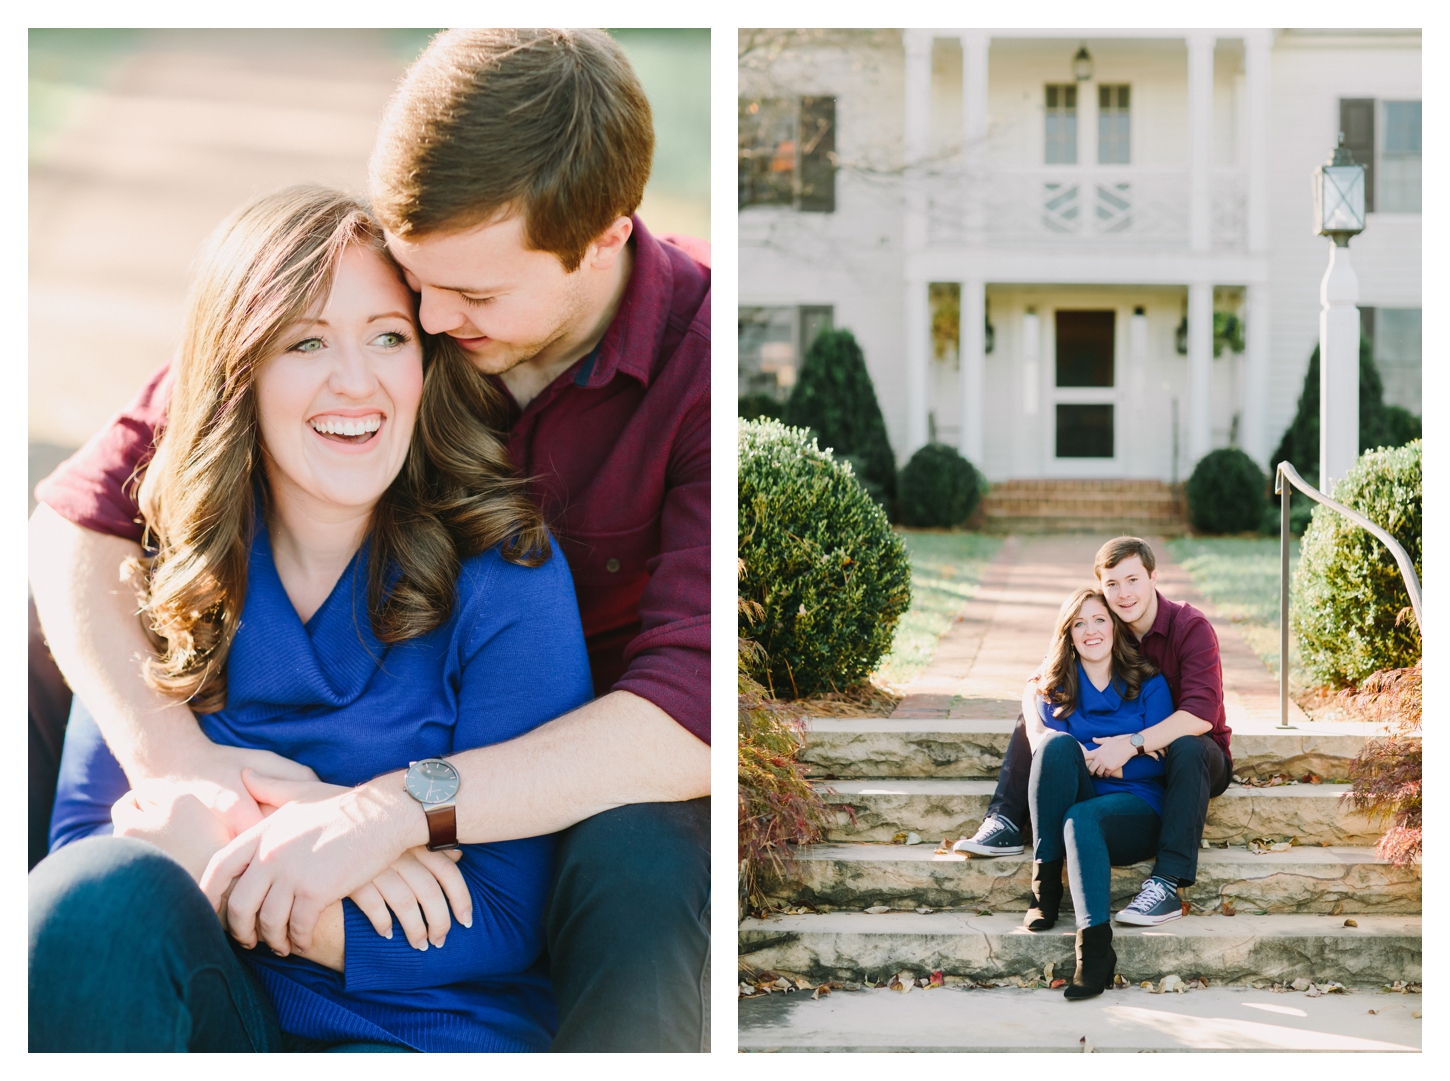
[
  {"x": 1046, "y": 895},
  {"x": 1096, "y": 963}
]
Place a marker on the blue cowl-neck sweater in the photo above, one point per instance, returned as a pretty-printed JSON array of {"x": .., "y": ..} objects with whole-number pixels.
[
  {"x": 1108, "y": 713},
  {"x": 328, "y": 694}
]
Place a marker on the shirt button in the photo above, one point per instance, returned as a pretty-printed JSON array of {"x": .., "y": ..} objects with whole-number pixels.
[{"x": 612, "y": 566}]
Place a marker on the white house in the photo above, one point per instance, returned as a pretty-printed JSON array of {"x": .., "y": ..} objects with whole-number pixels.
[{"x": 1030, "y": 232}]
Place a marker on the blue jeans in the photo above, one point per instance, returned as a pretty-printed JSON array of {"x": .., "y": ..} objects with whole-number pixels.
[
  {"x": 126, "y": 955},
  {"x": 1093, "y": 833}
]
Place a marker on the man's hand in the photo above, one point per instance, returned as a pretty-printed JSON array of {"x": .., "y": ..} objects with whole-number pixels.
[
  {"x": 214, "y": 776},
  {"x": 172, "y": 819},
  {"x": 306, "y": 855},
  {"x": 1108, "y": 759}
]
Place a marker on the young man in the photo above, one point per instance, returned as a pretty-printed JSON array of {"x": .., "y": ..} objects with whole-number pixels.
[
  {"x": 507, "y": 171},
  {"x": 1193, "y": 740}
]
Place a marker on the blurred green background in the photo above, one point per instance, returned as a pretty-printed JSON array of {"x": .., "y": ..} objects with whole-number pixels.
[{"x": 140, "y": 141}]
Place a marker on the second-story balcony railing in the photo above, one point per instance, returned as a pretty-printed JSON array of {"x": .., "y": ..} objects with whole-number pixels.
[{"x": 1144, "y": 207}]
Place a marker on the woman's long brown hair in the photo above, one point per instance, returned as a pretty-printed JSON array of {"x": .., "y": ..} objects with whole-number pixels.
[
  {"x": 1059, "y": 682},
  {"x": 268, "y": 266}
]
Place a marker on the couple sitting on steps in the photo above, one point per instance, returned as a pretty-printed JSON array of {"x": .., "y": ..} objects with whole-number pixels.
[{"x": 1120, "y": 746}]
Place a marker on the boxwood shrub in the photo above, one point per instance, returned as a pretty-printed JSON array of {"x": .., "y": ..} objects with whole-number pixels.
[
  {"x": 1347, "y": 592},
  {"x": 1226, "y": 492},
  {"x": 820, "y": 559},
  {"x": 938, "y": 487}
]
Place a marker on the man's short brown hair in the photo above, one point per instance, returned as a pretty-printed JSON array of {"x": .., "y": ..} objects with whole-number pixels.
[
  {"x": 1121, "y": 548},
  {"x": 553, "y": 123}
]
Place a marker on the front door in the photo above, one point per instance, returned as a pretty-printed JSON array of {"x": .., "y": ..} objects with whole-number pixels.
[{"x": 1082, "y": 427}]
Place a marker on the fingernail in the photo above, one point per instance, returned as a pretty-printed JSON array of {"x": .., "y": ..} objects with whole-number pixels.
[
  {"x": 468, "y": 922},
  {"x": 389, "y": 933}
]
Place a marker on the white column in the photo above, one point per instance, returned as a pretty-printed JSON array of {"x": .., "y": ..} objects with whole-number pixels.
[
  {"x": 1256, "y": 88},
  {"x": 916, "y": 310},
  {"x": 1200, "y": 371},
  {"x": 1200, "y": 140},
  {"x": 974, "y": 128},
  {"x": 1338, "y": 369},
  {"x": 973, "y": 345},
  {"x": 1138, "y": 364},
  {"x": 1031, "y": 358},
  {"x": 1255, "y": 422}
]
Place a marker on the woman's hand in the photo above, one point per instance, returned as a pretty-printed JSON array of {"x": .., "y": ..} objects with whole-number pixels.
[
  {"x": 175, "y": 820},
  {"x": 214, "y": 776},
  {"x": 280, "y": 889},
  {"x": 1108, "y": 759}
]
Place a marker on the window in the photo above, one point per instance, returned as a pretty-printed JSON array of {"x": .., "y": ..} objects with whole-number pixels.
[
  {"x": 1085, "y": 348},
  {"x": 1396, "y": 337},
  {"x": 1061, "y": 130},
  {"x": 1356, "y": 121},
  {"x": 1113, "y": 125},
  {"x": 1400, "y": 159},
  {"x": 787, "y": 153},
  {"x": 773, "y": 342}
]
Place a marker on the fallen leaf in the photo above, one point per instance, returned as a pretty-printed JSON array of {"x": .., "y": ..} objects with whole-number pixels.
[
  {"x": 937, "y": 979},
  {"x": 1170, "y": 983},
  {"x": 876, "y": 910},
  {"x": 1118, "y": 981},
  {"x": 899, "y": 838},
  {"x": 823, "y": 989},
  {"x": 1371, "y": 1011},
  {"x": 1301, "y": 984},
  {"x": 1186, "y": 907},
  {"x": 1415, "y": 1013},
  {"x": 1047, "y": 971},
  {"x": 801, "y": 985},
  {"x": 945, "y": 849},
  {"x": 1087, "y": 1047},
  {"x": 1147, "y": 984},
  {"x": 923, "y": 909},
  {"x": 747, "y": 989},
  {"x": 1313, "y": 991},
  {"x": 781, "y": 983},
  {"x": 1228, "y": 908},
  {"x": 913, "y": 838},
  {"x": 1350, "y": 923},
  {"x": 1055, "y": 984},
  {"x": 851, "y": 985},
  {"x": 984, "y": 912}
]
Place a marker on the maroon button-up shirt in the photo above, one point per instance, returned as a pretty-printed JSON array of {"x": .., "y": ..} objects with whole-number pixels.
[
  {"x": 617, "y": 450},
  {"x": 1183, "y": 645}
]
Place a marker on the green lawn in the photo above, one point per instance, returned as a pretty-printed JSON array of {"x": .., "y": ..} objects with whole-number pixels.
[
  {"x": 945, "y": 568},
  {"x": 1241, "y": 576}
]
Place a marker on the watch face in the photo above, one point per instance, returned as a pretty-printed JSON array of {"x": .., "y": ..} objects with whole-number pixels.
[
  {"x": 1136, "y": 739},
  {"x": 432, "y": 780}
]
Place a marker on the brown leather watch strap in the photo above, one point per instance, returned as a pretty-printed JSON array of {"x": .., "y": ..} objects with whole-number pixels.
[{"x": 442, "y": 827}]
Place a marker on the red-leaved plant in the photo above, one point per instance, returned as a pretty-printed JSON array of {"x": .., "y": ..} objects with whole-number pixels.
[{"x": 1387, "y": 773}]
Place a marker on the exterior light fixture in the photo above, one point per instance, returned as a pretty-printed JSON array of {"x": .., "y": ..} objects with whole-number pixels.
[
  {"x": 1339, "y": 197},
  {"x": 1082, "y": 65}
]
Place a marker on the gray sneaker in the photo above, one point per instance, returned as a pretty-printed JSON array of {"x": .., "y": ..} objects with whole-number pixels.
[
  {"x": 1157, "y": 903},
  {"x": 997, "y": 836}
]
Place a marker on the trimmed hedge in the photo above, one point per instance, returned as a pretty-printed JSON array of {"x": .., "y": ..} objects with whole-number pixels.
[
  {"x": 1226, "y": 492},
  {"x": 755, "y": 406},
  {"x": 1347, "y": 592},
  {"x": 834, "y": 398},
  {"x": 938, "y": 487},
  {"x": 821, "y": 561}
]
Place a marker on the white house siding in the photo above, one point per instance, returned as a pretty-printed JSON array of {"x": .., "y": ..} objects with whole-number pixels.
[{"x": 857, "y": 259}]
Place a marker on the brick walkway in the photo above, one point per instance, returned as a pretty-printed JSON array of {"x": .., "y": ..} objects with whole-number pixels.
[{"x": 978, "y": 670}]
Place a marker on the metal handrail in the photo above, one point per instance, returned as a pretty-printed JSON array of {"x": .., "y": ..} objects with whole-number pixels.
[{"x": 1284, "y": 472}]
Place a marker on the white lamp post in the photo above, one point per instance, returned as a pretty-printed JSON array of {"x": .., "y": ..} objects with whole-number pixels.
[{"x": 1339, "y": 215}]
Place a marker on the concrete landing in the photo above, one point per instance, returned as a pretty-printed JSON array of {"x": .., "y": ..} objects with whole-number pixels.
[{"x": 1132, "y": 1020}]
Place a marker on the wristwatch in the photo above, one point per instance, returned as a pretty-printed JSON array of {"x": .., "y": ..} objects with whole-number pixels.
[
  {"x": 433, "y": 782},
  {"x": 1136, "y": 739}
]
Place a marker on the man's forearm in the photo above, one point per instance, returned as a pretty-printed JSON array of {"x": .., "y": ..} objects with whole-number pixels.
[
  {"x": 89, "y": 617},
  {"x": 1176, "y": 724},
  {"x": 616, "y": 750}
]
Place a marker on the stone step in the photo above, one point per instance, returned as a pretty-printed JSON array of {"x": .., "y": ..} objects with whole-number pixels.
[
  {"x": 887, "y": 747},
  {"x": 1332, "y": 881},
  {"x": 1077, "y": 523},
  {"x": 937, "y": 808},
  {"x": 1068, "y": 485},
  {"x": 1124, "y": 1020},
  {"x": 859, "y": 946}
]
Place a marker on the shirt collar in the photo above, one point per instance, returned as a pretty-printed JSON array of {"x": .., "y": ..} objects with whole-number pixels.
[
  {"x": 1166, "y": 608},
  {"x": 1094, "y": 700},
  {"x": 630, "y": 344}
]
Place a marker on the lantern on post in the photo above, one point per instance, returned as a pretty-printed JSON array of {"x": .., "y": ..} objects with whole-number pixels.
[
  {"x": 1082, "y": 65},
  {"x": 1339, "y": 197},
  {"x": 1339, "y": 215}
]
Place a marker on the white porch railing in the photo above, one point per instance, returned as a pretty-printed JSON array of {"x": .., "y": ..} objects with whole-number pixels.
[{"x": 1137, "y": 206}]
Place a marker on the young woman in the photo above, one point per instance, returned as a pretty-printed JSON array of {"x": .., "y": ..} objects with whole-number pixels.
[
  {"x": 1100, "y": 688},
  {"x": 343, "y": 571}
]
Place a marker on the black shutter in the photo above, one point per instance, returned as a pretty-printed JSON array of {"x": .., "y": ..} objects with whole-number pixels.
[
  {"x": 818, "y": 154},
  {"x": 1356, "y": 120}
]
